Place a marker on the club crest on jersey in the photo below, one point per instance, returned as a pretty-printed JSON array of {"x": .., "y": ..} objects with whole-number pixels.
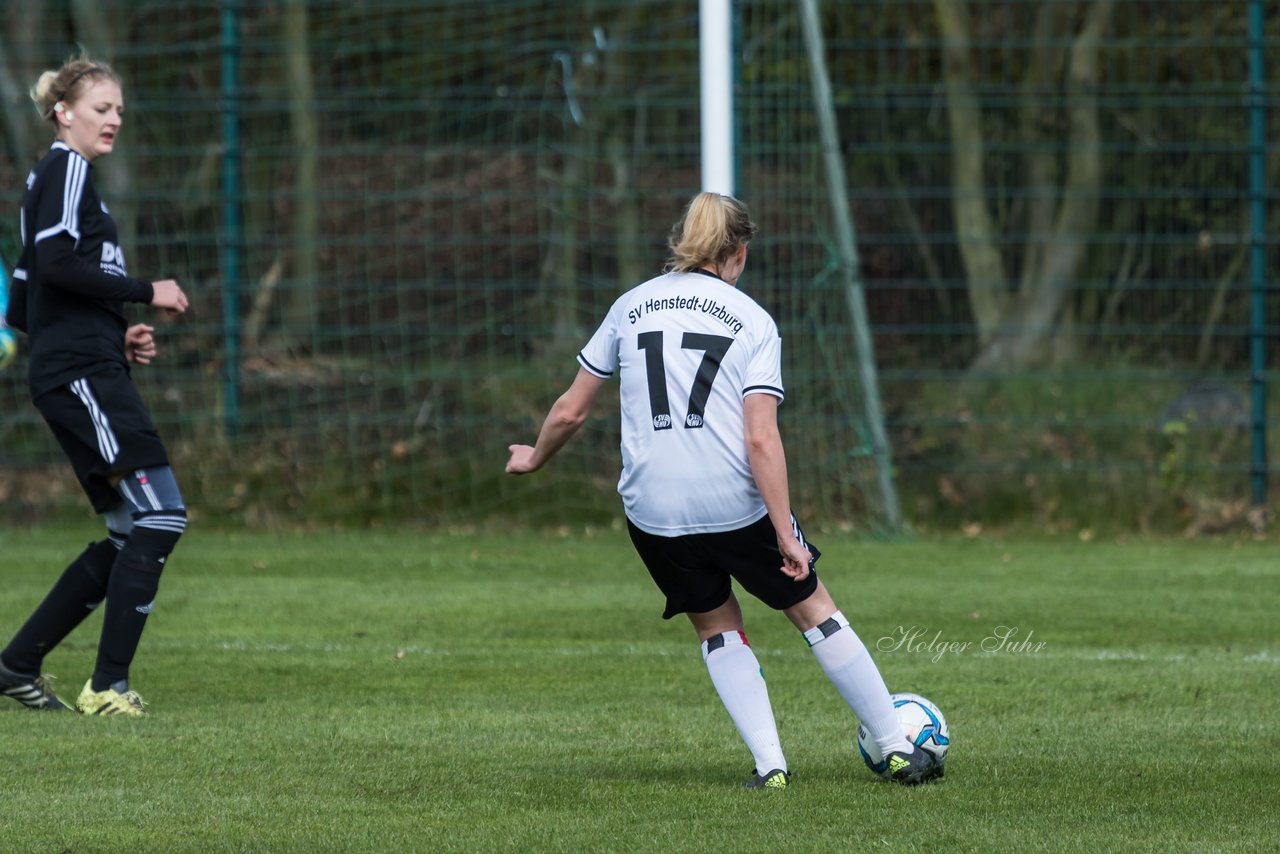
[
  {"x": 662, "y": 422},
  {"x": 693, "y": 419},
  {"x": 112, "y": 259}
]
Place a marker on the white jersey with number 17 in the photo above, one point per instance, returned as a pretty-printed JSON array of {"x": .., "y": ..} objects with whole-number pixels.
[{"x": 688, "y": 348}]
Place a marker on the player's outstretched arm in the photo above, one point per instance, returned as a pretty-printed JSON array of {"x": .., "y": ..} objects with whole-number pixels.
[{"x": 566, "y": 416}]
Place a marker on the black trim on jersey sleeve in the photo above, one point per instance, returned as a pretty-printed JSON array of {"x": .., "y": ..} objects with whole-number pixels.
[
  {"x": 763, "y": 389},
  {"x": 16, "y": 315},
  {"x": 57, "y": 265},
  {"x": 599, "y": 372}
]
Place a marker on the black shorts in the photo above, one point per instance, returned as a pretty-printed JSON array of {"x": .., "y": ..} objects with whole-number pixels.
[
  {"x": 694, "y": 571},
  {"x": 104, "y": 428}
]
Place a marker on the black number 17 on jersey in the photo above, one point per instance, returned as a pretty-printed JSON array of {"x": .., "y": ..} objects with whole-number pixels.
[{"x": 713, "y": 346}]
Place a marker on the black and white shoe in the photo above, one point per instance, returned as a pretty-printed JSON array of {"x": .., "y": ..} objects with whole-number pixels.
[
  {"x": 775, "y": 779},
  {"x": 912, "y": 769},
  {"x": 34, "y": 692}
]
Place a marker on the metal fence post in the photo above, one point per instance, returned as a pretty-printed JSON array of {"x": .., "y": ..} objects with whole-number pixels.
[
  {"x": 1257, "y": 256},
  {"x": 231, "y": 227}
]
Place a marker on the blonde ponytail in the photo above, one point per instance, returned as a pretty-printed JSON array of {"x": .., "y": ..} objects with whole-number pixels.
[
  {"x": 711, "y": 230},
  {"x": 67, "y": 83}
]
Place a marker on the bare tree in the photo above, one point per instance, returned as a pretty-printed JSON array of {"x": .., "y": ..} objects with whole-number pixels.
[
  {"x": 303, "y": 306},
  {"x": 18, "y": 69},
  {"x": 622, "y": 157},
  {"x": 1013, "y": 322},
  {"x": 14, "y": 109}
]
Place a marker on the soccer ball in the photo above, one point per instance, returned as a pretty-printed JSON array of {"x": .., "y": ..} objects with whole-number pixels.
[
  {"x": 923, "y": 724},
  {"x": 8, "y": 347}
]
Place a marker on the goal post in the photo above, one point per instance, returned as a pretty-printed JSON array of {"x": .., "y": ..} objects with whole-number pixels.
[
  {"x": 719, "y": 168},
  {"x": 847, "y": 246},
  {"x": 715, "y": 62}
]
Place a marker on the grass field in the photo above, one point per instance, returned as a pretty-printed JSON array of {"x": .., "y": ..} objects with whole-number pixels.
[{"x": 380, "y": 691}]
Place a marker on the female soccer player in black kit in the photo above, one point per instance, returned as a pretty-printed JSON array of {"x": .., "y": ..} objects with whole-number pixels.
[
  {"x": 704, "y": 479},
  {"x": 68, "y": 294}
]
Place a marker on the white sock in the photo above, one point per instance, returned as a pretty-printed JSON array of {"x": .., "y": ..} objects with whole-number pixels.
[
  {"x": 848, "y": 665},
  {"x": 736, "y": 674}
]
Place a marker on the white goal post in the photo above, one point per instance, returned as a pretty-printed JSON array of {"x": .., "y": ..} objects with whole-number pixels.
[
  {"x": 719, "y": 173},
  {"x": 715, "y": 60}
]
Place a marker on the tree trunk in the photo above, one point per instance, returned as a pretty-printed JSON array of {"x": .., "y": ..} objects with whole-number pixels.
[
  {"x": 621, "y": 156},
  {"x": 975, "y": 228},
  {"x": 26, "y": 134},
  {"x": 14, "y": 109},
  {"x": 558, "y": 274},
  {"x": 303, "y": 305},
  {"x": 1045, "y": 67},
  {"x": 1040, "y": 300},
  {"x": 96, "y": 32}
]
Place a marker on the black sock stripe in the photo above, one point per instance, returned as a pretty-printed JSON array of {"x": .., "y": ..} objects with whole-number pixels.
[{"x": 829, "y": 627}]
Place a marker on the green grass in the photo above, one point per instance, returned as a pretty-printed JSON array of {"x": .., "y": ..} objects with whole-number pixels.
[{"x": 395, "y": 691}]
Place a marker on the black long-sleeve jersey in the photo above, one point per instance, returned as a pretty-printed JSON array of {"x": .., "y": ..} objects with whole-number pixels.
[{"x": 70, "y": 286}]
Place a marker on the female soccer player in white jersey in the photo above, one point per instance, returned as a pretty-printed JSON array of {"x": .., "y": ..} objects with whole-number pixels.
[
  {"x": 704, "y": 478},
  {"x": 68, "y": 294}
]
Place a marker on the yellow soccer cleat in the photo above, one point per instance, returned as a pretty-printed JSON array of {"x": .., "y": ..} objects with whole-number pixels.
[
  {"x": 775, "y": 779},
  {"x": 110, "y": 701}
]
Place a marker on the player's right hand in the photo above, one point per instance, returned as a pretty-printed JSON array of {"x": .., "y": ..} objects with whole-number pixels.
[
  {"x": 168, "y": 295},
  {"x": 522, "y": 460}
]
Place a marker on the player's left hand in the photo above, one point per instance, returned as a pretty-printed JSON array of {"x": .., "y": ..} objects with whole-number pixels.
[
  {"x": 140, "y": 344},
  {"x": 521, "y": 461},
  {"x": 796, "y": 559}
]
